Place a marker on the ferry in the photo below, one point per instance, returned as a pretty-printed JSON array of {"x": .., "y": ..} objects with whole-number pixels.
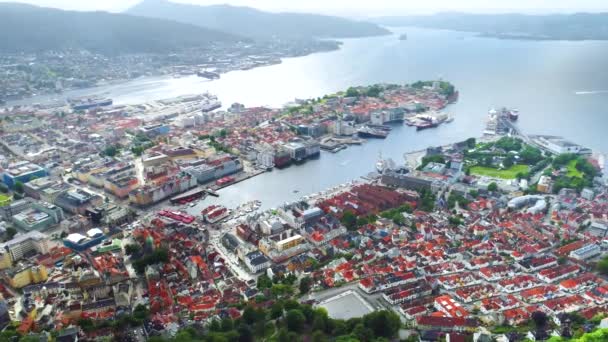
[{"x": 368, "y": 132}]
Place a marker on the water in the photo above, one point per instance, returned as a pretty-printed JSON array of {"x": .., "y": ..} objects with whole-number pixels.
[{"x": 559, "y": 87}]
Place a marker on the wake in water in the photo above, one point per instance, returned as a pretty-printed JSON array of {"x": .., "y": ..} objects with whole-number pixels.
[{"x": 591, "y": 92}]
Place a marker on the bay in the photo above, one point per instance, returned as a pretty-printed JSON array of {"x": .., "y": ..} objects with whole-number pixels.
[{"x": 560, "y": 88}]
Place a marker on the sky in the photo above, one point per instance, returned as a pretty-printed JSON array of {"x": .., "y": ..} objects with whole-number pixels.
[{"x": 360, "y": 8}]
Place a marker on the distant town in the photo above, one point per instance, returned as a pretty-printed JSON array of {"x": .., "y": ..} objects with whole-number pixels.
[
  {"x": 497, "y": 237},
  {"x": 54, "y": 72}
]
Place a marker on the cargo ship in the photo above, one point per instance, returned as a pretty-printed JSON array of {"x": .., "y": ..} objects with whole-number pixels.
[
  {"x": 282, "y": 159},
  {"x": 368, "y": 132},
  {"x": 208, "y": 75},
  {"x": 85, "y": 103}
]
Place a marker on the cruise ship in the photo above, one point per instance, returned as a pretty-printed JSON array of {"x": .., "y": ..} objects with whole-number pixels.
[
  {"x": 85, "y": 103},
  {"x": 384, "y": 165}
]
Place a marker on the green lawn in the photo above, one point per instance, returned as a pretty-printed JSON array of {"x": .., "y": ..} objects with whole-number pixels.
[
  {"x": 4, "y": 199},
  {"x": 573, "y": 171},
  {"x": 510, "y": 173}
]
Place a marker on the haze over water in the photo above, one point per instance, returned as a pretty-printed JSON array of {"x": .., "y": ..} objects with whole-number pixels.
[{"x": 560, "y": 88}]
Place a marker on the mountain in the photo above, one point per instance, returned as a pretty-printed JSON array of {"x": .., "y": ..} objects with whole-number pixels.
[
  {"x": 26, "y": 28},
  {"x": 253, "y": 23},
  {"x": 580, "y": 26}
]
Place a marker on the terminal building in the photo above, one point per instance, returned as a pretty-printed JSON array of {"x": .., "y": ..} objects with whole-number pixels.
[
  {"x": 22, "y": 172},
  {"x": 79, "y": 242}
]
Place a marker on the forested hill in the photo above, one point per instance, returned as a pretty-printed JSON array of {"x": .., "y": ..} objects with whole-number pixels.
[
  {"x": 26, "y": 28},
  {"x": 250, "y": 22}
]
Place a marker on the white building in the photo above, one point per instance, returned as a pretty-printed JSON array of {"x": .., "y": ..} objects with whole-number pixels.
[
  {"x": 586, "y": 252},
  {"x": 23, "y": 244},
  {"x": 256, "y": 262}
]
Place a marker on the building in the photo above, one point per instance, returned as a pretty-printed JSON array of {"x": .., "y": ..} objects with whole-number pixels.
[
  {"x": 155, "y": 159},
  {"x": 296, "y": 150},
  {"x": 586, "y": 252},
  {"x": 7, "y": 212},
  {"x": 406, "y": 181},
  {"x": 557, "y": 145},
  {"x": 215, "y": 169},
  {"x": 22, "y": 172},
  {"x": 265, "y": 158},
  {"x": 155, "y": 130},
  {"x": 26, "y": 275},
  {"x": 79, "y": 242},
  {"x": 147, "y": 195},
  {"x": 256, "y": 262},
  {"x": 39, "y": 216},
  {"x": 450, "y": 307},
  {"x": 77, "y": 201},
  {"x": 15, "y": 249}
]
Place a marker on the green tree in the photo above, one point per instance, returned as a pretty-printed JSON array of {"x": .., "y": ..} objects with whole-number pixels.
[
  {"x": 264, "y": 282},
  {"x": 383, "y": 323},
  {"x": 276, "y": 310},
  {"x": 602, "y": 266},
  {"x": 19, "y": 187},
  {"x": 131, "y": 249},
  {"x": 352, "y": 92},
  {"x": 111, "y": 151},
  {"x": 250, "y": 315},
  {"x": 492, "y": 187},
  {"x": 305, "y": 285},
  {"x": 295, "y": 320},
  {"x": 10, "y": 233},
  {"x": 349, "y": 220}
]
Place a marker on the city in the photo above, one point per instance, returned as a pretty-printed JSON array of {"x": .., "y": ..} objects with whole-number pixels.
[{"x": 390, "y": 192}]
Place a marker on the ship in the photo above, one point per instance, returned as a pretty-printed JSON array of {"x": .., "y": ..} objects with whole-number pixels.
[
  {"x": 424, "y": 121},
  {"x": 513, "y": 114},
  {"x": 368, "y": 132},
  {"x": 403, "y": 37},
  {"x": 85, "y": 103},
  {"x": 210, "y": 105},
  {"x": 384, "y": 165},
  {"x": 208, "y": 75}
]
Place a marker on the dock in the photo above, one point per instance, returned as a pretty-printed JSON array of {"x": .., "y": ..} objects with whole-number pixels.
[{"x": 243, "y": 176}]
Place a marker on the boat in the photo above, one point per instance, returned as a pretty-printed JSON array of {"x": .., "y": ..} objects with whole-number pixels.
[
  {"x": 403, "y": 37},
  {"x": 368, "y": 132},
  {"x": 384, "y": 165},
  {"x": 449, "y": 119},
  {"x": 208, "y": 75}
]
